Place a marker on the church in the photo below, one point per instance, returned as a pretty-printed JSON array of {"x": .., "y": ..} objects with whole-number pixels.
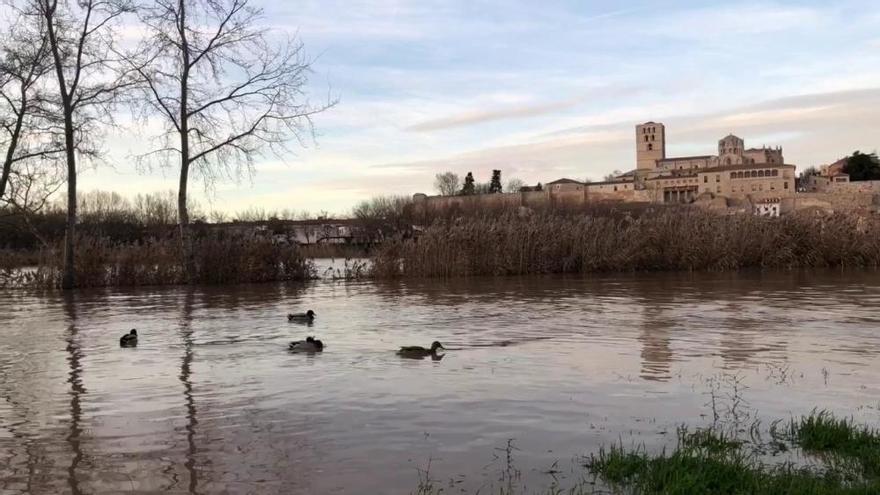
[{"x": 735, "y": 171}]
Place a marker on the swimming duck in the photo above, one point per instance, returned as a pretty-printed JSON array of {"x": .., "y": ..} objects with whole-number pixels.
[
  {"x": 309, "y": 345},
  {"x": 419, "y": 352},
  {"x": 307, "y": 317},
  {"x": 130, "y": 339}
]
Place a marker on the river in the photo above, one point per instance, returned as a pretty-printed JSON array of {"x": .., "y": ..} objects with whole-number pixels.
[{"x": 211, "y": 401}]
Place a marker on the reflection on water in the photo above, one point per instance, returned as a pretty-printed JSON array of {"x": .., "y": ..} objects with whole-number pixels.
[{"x": 211, "y": 401}]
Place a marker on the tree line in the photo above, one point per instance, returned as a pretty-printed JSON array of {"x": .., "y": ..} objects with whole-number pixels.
[{"x": 221, "y": 90}]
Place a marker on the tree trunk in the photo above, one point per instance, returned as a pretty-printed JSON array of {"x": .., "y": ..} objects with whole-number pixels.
[
  {"x": 182, "y": 211},
  {"x": 68, "y": 281}
]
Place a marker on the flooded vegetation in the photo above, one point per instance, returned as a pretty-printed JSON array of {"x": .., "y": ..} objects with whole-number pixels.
[
  {"x": 547, "y": 384},
  {"x": 610, "y": 240}
]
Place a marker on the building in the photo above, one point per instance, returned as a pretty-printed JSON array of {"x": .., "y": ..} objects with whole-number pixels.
[{"x": 735, "y": 171}]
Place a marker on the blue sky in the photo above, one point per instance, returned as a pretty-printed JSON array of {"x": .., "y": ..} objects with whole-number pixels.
[{"x": 550, "y": 89}]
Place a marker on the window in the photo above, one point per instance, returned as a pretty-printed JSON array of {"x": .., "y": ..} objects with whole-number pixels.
[
  {"x": 652, "y": 137},
  {"x": 718, "y": 189},
  {"x": 615, "y": 188},
  {"x": 775, "y": 172},
  {"x": 717, "y": 177},
  {"x": 785, "y": 185},
  {"x": 733, "y": 175},
  {"x": 760, "y": 173},
  {"x": 772, "y": 186},
  {"x": 705, "y": 179},
  {"x": 646, "y": 139},
  {"x": 650, "y": 146}
]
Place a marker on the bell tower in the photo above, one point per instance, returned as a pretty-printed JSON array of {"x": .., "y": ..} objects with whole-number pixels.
[{"x": 650, "y": 145}]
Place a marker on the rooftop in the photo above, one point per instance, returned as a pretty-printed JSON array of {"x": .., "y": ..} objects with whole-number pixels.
[
  {"x": 679, "y": 158},
  {"x": 564, "y": 181}
]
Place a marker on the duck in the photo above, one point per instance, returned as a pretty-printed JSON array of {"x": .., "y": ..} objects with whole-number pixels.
[
  {"x": 307, "y": 317},
  {"x": 419, "y": 352},
  {"x": 130, "y": 339},
  {"x": 310, "y": 345}
]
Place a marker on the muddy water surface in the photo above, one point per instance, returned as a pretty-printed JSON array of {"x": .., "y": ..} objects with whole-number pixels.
[{"x": 211, "y": 401}]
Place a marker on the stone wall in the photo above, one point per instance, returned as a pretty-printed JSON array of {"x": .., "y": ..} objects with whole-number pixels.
[{"x": 838, "y": 200}]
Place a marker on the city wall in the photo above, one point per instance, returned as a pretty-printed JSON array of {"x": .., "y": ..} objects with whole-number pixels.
[
  {"x": 529, "y": 199},
  {"x": 845, "y": 196}
]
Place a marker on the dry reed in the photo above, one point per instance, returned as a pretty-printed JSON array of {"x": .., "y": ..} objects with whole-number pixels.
[
  {"x": 681, "y": 239},
  {"x": 158, "y": 262}
]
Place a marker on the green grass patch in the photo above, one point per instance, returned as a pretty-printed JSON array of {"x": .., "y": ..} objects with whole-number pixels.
[
  {"x": 720, "y": 462},
  {"x": 838, "y": 440},
  {"x": 696, "y": 470}
]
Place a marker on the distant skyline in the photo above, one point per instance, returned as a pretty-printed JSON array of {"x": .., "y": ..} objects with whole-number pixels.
[{"x": 548, "y": 90}]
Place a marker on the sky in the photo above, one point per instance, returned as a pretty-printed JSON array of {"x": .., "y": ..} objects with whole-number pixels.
[{"x": 545, "y": 90}]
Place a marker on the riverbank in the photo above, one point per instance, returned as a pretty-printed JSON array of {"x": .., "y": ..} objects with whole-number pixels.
[{"x": 497, "y": 243}]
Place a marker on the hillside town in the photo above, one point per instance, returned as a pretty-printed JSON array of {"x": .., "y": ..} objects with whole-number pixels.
[{"x": 735, "y": 179}]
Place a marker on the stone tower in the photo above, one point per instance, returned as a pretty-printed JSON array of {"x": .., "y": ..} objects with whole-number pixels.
[
  {"x": 730, "y": 150},
  {"x": 650, "y": 145}
]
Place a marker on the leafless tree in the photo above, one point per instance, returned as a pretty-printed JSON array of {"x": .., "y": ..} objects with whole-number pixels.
[
  {"x": 80, "y": 37},
  {"x": 447, "y": 183},
  {"x": 514, "y": 185},
  {"x": 226, "y": 93},
  {"x": 23, "y": 133},
  {"x": 613, "y": 175}
]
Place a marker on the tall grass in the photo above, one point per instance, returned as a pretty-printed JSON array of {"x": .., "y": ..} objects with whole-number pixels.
[
  {"x": 218, "y": 260},
  {"x": 681, "y": 239}
]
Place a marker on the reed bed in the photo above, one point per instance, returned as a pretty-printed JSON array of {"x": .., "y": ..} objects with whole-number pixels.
[
  {"x": 682, "y": 239},
  {"x": 217, "y": 260}
]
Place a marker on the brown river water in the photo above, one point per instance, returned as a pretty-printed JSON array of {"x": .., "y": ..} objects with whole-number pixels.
[{"x": 211, "y": 401}]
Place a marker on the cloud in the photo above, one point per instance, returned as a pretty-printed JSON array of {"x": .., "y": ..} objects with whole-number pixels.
[
  {"x": 522, "y": 111},
  {"x": 479, "y": 117}
]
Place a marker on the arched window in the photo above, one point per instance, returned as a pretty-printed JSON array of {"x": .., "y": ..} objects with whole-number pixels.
[
  {"x": 650, "y": 146},
  {"x": 760, "y": 173},
  {"x": 775, "y": 172},
  {"x": 646, "y": 139},
  {"x": 733, "y": 175},
  {"x": 739, "y": 175},
  {"x": 727, "y": 161}
]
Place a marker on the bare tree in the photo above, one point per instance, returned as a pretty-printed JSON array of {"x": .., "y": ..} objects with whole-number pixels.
[
  {"x": 23, "y": 50},
  {"x": 224, "y": 91},
  {"x": 613, "y": 175},
  {"x": 447, "y": 183},
  {"x": 80, "y": 39},
  {"x": 514, "y": 185}
]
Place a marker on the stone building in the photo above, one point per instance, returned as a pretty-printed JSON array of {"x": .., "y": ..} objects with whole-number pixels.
[{"x": 736, "y": 171}]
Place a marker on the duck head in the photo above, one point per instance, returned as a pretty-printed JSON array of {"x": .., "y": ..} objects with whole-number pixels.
[
  {"x": 133, "y": 332},
  {"x": 436, "y": 345},
  {"x": 310, "y": 313}
]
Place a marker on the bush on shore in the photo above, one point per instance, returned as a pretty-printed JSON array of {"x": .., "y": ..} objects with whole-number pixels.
[{"x": 681, "y": 239}]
